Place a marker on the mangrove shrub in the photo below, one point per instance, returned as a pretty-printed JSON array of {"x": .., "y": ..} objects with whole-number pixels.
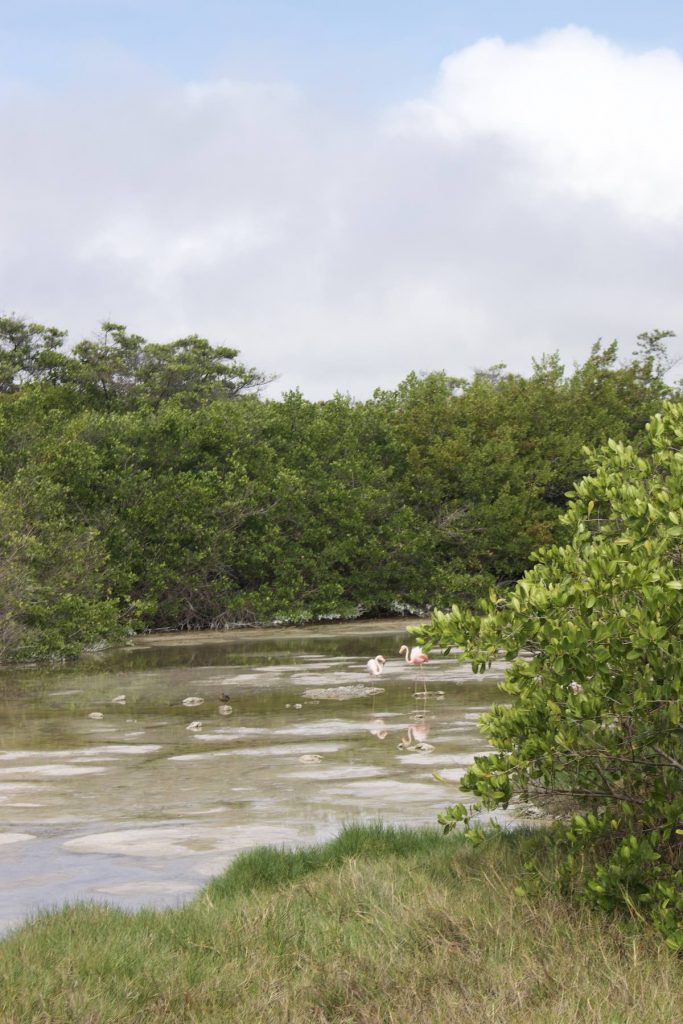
[{"x": 595, "y": 639}]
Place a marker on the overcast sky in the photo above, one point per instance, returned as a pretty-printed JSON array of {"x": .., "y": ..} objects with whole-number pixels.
[{"x": 345, "y": 191}]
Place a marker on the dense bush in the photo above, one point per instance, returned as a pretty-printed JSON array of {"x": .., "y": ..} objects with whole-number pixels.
[
  {"x": 594, "y": 632},
  {"x": 148, "y": 485},
  {"x": 54, "y": 586}
]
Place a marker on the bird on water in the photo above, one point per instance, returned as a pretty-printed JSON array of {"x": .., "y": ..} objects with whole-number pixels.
[{"x": 414, "y": 656}]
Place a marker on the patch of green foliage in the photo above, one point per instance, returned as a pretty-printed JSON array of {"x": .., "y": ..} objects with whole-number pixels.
[
  {"x": 595, "y": 635},
  {"x": 148, "y": 485}
]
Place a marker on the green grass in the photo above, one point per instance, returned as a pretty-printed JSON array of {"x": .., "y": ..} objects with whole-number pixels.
[{"x": 380, "y": 925}]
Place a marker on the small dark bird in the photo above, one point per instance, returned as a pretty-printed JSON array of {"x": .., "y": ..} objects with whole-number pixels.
[{"x": 225, "y": 697}]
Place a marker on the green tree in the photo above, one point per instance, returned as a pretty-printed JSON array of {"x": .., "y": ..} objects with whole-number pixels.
[
  {"x": 54, "y": 597},
  {"x": 595, "y": 638},
  {"x": 28, "y": 352},
  {"x": 488, "y": 461},
  {"x": 122, "y": 370}
]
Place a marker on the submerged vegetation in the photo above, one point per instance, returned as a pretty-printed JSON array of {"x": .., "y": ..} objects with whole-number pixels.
[
  {"x": 377, "y": 926},
  {"x": 150, "y": 486}
]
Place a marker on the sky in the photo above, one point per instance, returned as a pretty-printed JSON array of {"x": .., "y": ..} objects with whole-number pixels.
[{"x": 345, "y": 191}]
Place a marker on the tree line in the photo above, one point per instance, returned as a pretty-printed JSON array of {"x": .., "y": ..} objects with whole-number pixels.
[{"x": 147, "y": 485}]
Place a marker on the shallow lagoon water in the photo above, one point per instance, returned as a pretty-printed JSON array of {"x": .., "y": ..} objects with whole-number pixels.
[{"x": 133, "y": 808}]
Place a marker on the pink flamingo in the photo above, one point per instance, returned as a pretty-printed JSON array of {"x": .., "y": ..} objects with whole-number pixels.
[
  {"x": 375, "y": 665},
  {"x": 415, "y": 656}
]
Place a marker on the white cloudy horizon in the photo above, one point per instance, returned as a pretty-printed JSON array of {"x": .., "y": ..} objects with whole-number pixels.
[{"x": 530, "y": 201}]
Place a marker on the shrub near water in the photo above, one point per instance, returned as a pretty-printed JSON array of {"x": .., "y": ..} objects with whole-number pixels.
[
  {"x": 389, "y": 926},
  {"x": 597, "y": 709}
]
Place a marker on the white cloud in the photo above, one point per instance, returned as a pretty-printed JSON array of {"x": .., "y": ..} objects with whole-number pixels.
[
  {"x": 591, "y": 120},
  {"x": 160, "y": 255},
  {"x": 533, "y": 201}
]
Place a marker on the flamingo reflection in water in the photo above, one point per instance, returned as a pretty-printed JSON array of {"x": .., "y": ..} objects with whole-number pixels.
[
  {"x": 415, "y": 739},
  {"x": 378, "y": 728}
]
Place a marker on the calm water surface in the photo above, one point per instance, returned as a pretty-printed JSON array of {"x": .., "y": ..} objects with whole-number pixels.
[{"x": 133, "y": 808}]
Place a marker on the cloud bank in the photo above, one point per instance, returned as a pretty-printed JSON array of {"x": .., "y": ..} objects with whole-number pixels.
[{"x": 532, "y": 202}]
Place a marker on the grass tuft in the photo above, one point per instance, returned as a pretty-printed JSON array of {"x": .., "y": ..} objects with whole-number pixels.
[{"x": 267, "y": 867}]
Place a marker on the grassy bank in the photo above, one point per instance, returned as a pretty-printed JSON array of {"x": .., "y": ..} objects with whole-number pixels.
[{"x": 378, "y": 925}]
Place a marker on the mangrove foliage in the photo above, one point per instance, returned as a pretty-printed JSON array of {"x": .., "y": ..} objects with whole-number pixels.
[
  {"x": 594, "y": 633},
  {"x": 147, "y": 486}
]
